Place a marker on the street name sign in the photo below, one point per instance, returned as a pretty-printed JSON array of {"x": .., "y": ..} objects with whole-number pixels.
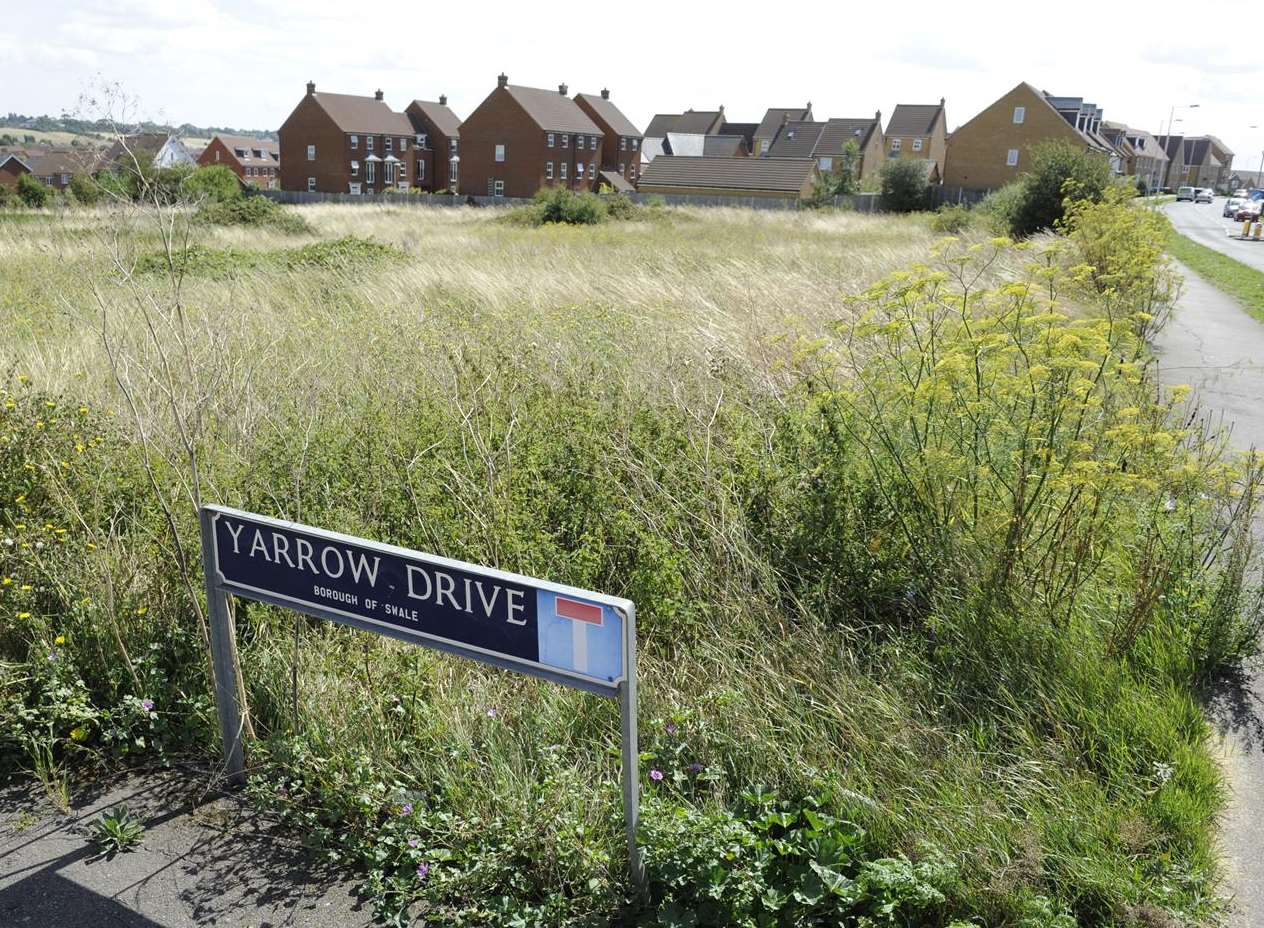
[{"x": 575, "y": 637}]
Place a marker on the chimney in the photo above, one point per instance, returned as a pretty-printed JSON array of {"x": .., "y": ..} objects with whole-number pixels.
[
  {"x": 877, "y": 115},
  {"x": 503, "y": 80},
  {"x": 377, "y": 95},
  {"x": 443, "y": 99},
  {"x": 561, "y": 88},
  {"x": 311, "y": 88},
  {"x": 941, "y": 101},
  {"x": 721, "y": 107},
  {"x": 605, "y": 93}
]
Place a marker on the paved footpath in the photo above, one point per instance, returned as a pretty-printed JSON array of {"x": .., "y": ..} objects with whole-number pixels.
[
  {"x": 1214, "y": 346},
  {"x": 204, "y": 860}
]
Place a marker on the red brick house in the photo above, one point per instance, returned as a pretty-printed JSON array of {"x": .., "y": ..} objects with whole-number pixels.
[
  {"x": 254, "y": 161},
  {"x": 522, "y": 139},
  {"x": 341, "y": 143},
  {"x": 437, "y": 152},
  {"x": 56, "y": 168},
  {"x": 11, "y": 168},
  {"x": 621, "y": 149}
]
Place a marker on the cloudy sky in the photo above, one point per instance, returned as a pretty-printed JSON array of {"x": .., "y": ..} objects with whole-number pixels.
[{"x": 243, "y": 63}]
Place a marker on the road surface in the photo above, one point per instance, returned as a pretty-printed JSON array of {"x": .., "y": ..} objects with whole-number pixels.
[{"x": 1214, "y": 346}]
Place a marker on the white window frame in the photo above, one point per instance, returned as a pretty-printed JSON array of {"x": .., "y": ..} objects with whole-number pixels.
[
  {"x": 917, "y": 144},
  {"x": 403, "y": 144},
  {"x": 636, "y": 144},
  {"x": 1020, "y": 115},
  {"x": 369, "y": 172},
  {"x": 579, "y": 170},
  {"x": 355, "y": 141},
  {"x": 421, "y": 171},
  {"x": 827, "y": 163},
  {"x": 452, "y": 168},
  {"x": 579, "y": 142},
  {"x": 564, "y": 166},
  {"x": 1011, "y": 158},
  {"x": 451, "y": 147},
  {"x": 498, "y": 189},
  {"x": 592, "y": 142},
  {"x": 763, "y": 146},
  {"x": 368, "y": 143},
  {"x": 548, "y": 170},
  {"x": 390, "y": 143},
  {"x": 354, "y": 189},
  {"x": 896, "y": 144},
  {"x": 499, "y": 154},
  {"x": 311, "y": 185},
  {"x": 421, "y": 140},
  {"x": 217, "y": 154},
  {"x": 623, "y": 144},
  {"x": 551, "y": 139},
  {"x": 355, "y": 168},
  {"x": 592, "y": 169},
  {"x": 566, "y": 140},
  {"x": 311, "y": 152}
]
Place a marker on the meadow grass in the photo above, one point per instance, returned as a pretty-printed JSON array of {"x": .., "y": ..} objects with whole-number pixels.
[{"x": 796, "y": 440}]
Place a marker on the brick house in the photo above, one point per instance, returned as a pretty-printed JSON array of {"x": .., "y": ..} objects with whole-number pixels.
[
  {"x": 774, "y": 119},
  {"x": 621, "y": 147},
  {"x": 1221, "y": 152},
  {"x": 342, "y": 143},
  {"x": 56, "y": 168},
  {"x": 918, "y": 132},
  {"x": 787, "y": 178},
  {"x": 994, "y": 147},
  {"x": 254, "y": 161},
  {"x": 1199, "y": 161},
  {"x": 1177, "y": 171},
  {"x": 437, "y": 144},
  {"x": 11, "y": 168},
  {"x": 520, "y": 140},
  {"x": 825, "y": 141}
]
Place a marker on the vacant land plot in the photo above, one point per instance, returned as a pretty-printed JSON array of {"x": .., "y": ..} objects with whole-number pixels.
[{"x": 928, "y": 575}]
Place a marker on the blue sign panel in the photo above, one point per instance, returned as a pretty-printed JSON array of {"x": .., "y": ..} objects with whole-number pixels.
[{"x": 572, "y": 636}]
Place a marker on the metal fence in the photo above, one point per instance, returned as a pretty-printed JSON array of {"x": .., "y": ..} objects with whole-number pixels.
[{"x": 860, "y": 202}]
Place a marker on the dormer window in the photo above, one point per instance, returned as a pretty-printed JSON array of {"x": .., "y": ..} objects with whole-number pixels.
[
  {"x": 259, "y": 154},
  {"x": 240, "y": 153},
  {"x": 421, "y": 140}
]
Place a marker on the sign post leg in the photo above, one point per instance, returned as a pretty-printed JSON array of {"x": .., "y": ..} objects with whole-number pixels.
[
  {"x": 631, "y": 758},
  {"x": 222, "y": 651}
]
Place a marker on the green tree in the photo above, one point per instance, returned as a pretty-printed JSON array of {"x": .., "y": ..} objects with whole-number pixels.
[
  {"x": 214, "y": 184},
  {"x": 33, "y": 193},
  {"x": 904, "y": 186},
  {"x": 1060, "y": 171},
  {"x": 85, "y": 189}
]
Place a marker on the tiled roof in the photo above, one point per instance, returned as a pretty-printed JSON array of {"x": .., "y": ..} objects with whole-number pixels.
[
  {"x": 441, "y": 115},
  {"x": 5, "y": 159},
  {"x": 617, "y": 181},
  {"x": 612, "y": 115},
  {"x": 1198, "y": 151},
  {"x": 251, "y": 144},
  {"x": 775, "y": 116},
  {"x": 723, "y": 146},
  {"x": 60, "y": 162},
  {"x": 768, "y": 175},
  {"x": 695, "y": 121},
  {"x": 553, "y": 111},
  {"x": 914, "y": 119},
  {"x": 745, "y": 130},
  {"x": 796, "y": 140},
  {"x": 838, "y": 132},
  {"x": 696, "y": 145},
  {"x": 1173, "y": 145},
  {"x": 363, "y": 114}
]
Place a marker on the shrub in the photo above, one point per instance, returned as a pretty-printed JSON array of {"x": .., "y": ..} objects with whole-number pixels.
[
  {"x": 1060, "y": 171},
  {"x": 562, "y": 205},
  {"x": 951, "y": 219},
  {"x": 843, "y": 180},
  {"x": 33, "y": 193},
  {"x": 214, "y": 184},
  {"x": 1001, "y": 207},
  {"x": 252, "y": 211},
  {"x": 904, "y": 186},
  {"x": 620, "y": 206},
  {"x": 86, "y": 191}
]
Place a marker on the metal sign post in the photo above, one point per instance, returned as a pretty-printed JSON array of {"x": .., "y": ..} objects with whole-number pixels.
[{"x": 578, "y": 638}]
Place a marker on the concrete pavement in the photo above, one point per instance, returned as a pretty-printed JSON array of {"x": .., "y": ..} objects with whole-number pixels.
[
  {"x": 1215, "y": 347},
  {"x": 205, "y": 859}
]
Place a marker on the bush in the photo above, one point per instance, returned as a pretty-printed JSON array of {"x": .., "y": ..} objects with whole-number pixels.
[
  {"x": 33, "y": 193},
  {"x": 562, "y": 205},
  {"x": 214, "y": 184},
  {"x": 951, "y": 219},
  {"x": 1001, "y": 207},
  {"x": 86, "y": 191},
  {"x": 620, "y": 206},
  {"x": 252, "y": 211},
  {"x": 1060, "y": 171},
  {"x": 904, "y": 186}
]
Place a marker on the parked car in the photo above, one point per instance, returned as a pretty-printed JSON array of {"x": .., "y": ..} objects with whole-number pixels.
[
  {"x": 1248, "y": 209},
  {"x": 1231, "y": 206},
  {"x": 1184, "y": 193},
  {"x": 1240, "y": 193},
  {"x": 1204, "y": 195}
]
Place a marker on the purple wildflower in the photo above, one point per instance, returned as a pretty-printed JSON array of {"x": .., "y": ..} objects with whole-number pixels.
[
  {"x": 491, "y": 713},
  {"x": 406, "y": 809},
  {"x": 671, "y": 728},
  {"x": 656, "y": 775},
  {"x": 696, "y": 767},
  {"x": 423, "y": 870},
  {"x": 52, "y": 656},
  {"x": 147, "y": 705},
  {"x": 414, "y": 842}
]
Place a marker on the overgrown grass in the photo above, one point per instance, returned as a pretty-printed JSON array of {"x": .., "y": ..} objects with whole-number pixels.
[
  {"x": 1240, "y": 281},
  {"x": 927, "y": 574}
]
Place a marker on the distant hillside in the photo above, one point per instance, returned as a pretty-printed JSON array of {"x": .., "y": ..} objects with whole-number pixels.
[{"x": 17, "y": 129}]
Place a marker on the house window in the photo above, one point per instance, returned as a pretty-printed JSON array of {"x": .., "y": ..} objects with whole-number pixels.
[
  {"x": 389, "y": 142},
  {"x": 896, "y": 143},
  {"x": 240, "y": 153},
  {"x": 217, "y": 154},
  {"x": 566, "y": 140},
  {"x": 551, "y": 140},
  {"x": 259, "y": 154},
  {"x": 311, "y": 185},
  {"x": 763, "y": 146},
  {"x": 592, "y": 169},
  {"x": 311, "y": 152},
  {"x": 421, "y": 171},
  {"x": 635, "y": 143},
  {"x": 421, "y": 140},
  {"x": 500, "y": 152},
  {"x": 917, "y": 144},
  {"x": 827, "y": 164},
  {"x": 1011, "y": 157},
  {"x": 355, "y": 141},
  {"x": 548, "y": 170},
  {"x": 355, "y": 189},
  {"x": 579, "y": 142},
  {"x": 452, "y": 173},
  {"x": 369, "y": 171},
  {"x": 355, "y": 168},
  {"x": 579, "y": 170},
  {"x": 403, "y": 144},
  {"x": 452, "y": 146},
  {"x": 623, "y": 144},
  {"x": 499, "y": 189},
  {"x": 368, "y": 142},
  {"x": 1020, "y": 114},
  {"x": 564, "y": 166}
]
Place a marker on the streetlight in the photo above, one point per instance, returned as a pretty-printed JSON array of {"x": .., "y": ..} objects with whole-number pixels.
[{"x": 1170, "y": 115}]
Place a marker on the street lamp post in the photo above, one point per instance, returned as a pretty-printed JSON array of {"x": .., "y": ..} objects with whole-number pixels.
[{"x": 1170, "y": 117}]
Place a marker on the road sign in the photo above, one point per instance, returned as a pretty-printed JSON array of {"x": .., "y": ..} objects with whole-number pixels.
[{"x": 575, "y": 637}]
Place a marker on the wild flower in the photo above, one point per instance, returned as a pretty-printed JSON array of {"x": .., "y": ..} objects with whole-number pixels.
[
  {"x": 406, "y": 809},
  {"x": 492, "y": 713},
  {"x": 78, "y": 734},
  {"x": 52, "y": 656},
  {"x": 656, "y": 775},
  {"x": 59, "y": 640},
  {"x": 695, "y": 767},
  {"x": 147, "y": 705},
  {"x": 670, "y": 728},
  {"x": 423, "y": 870},
  {"x": 414, "y": 842}
]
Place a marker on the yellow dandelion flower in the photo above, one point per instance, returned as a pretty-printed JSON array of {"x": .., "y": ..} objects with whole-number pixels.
[
  {"x": 7, "y": 581},
  {"x": 83, "y": 409},
  {"x": 59, "y": 640},
  {"x": 22, "y": 378},
  {"x": 50, "y": 404},
  {"x": 78, "y": 734},
  {"x": 9, "y": 404},
  {"x": 24, "y": 615},
  {"x": 141, "y": 610},
  {"x": 26, "y": 588}
]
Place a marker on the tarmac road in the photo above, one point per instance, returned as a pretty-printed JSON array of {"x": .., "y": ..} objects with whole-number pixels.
[{"x": 1214, "y": 346}]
